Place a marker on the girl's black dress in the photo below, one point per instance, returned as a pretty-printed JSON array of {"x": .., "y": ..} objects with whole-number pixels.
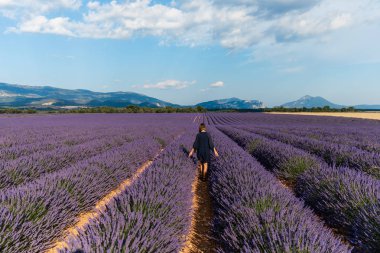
[{"x": 203, "y": 144}]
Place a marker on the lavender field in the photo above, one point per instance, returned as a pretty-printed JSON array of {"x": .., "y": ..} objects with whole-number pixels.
[{"x": 281, "y": 183}]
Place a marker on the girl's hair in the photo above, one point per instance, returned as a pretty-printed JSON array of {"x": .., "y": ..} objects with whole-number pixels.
[{"x": 202, "y": 127}]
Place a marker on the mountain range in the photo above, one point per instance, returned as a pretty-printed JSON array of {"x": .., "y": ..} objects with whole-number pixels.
[
  {"x": 232, "y": 103},
  {"x": 12, "y": 95},
  {"x": 310, "y": 102},
  {"x": 39, "y": 96}
]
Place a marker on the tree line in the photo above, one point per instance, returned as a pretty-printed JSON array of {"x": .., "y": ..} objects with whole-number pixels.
[
  {"x": 314, "y": 109},
  {"x": 136, "y": 109},
  {"x": 16, "y": 111},
  {"x": 168, "y": 109}
]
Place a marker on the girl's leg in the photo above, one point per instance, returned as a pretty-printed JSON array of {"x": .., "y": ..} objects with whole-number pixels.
[
  {"x": 205, "y": 167},
  {"x": 199, "y": 165}
]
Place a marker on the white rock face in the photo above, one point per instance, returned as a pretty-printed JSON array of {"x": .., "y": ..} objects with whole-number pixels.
[
  {"x": 48, "y": 103},
  {"x": 6, "y": 94}
]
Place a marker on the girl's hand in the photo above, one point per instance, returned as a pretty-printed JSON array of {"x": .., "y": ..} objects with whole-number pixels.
[
  {"x": 216, "y": 153},
  {"x": 191, "y": 153}
]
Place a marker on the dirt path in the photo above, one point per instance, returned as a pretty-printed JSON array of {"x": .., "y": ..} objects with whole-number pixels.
[
  {"x": 359, "y": 115},
  {"x": 85, "y": 218},
  {"x": 200, "y": 237}
]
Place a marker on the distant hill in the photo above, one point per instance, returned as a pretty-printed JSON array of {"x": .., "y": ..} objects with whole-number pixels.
[
  {"x": 12, "y": 95},
  {"x": 40, "y": 96},
  {"x": 232, "y": 103},
  {"x": 310, "y": 102}
]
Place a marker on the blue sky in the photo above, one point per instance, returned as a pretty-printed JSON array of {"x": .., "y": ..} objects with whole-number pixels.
[{"x": 195, "y": 50}]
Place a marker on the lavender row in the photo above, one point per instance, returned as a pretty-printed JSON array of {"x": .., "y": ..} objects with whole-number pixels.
[
  {"x": 361, "y": 127},
  {"x": 18, "y": 136},
  {"x": 28, "y": 168},
  {"x": 152, "y": 215},
  {"x": 254, "y": 213},
  {"x": 33, "y": 134},
  {"x": 363, "y": 134},
  {"x": 49, "y": 143},
  {"x": 333, "y": 154},
  {"x": 361, "y": 131},
  {"x": 34, "y": 215},
  {"x": 357, "y": 139},
  {"x": 28, "y": 130},
  {"x": 362, "y": 139},
  {"x": 285, "y": 161},
  {"x": 349, "y": 199},
  {"x": 349, "y": 141},
  {"x": 342, "y": 198}
]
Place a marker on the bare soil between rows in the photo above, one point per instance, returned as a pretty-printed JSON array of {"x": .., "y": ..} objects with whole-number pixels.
[{"x": 201, "y": 238}]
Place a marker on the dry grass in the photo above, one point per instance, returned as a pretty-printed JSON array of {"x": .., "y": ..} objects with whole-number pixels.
[{"x": 360, "y": 115}]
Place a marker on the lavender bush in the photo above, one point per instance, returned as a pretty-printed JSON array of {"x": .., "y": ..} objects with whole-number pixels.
[
  {"x": 38, "y": 212},
  {"x": 349, "y": 200},
  {"x": 285, "y": 161},
  {"x": 341, "y": 196},
  {"x": 28, "y": 168},
  {"x": 153, "y": 215},
  {"x": 332, "y": 153},
  {"x": 254, "y": 213}
]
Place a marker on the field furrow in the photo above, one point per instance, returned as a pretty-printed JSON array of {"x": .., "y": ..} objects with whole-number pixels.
[{"x": 200, "y": 237}]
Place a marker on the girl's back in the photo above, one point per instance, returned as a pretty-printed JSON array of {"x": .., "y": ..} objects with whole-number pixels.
[{"x": 204, "y": 142}]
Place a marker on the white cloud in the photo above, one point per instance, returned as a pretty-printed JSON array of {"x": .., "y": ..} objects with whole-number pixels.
[
  {"x": 229, "y": 23},
  {"x": 341, "y": 20},
  {"x": 41, "y": 24},
  {"x": 169, "y": 84},
  {"x": 218, "y": 84},
  {"x": 17, "y": 9}
]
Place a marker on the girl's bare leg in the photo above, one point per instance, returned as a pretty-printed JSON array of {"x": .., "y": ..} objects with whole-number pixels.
[
  {"x": 205, "y": 167},
  {"x": 199, "y": 168}
]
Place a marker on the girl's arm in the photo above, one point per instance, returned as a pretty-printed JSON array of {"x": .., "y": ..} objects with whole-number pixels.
[
  {"x": 216, "y": 152},
  {"x": 195, "y": 147},
  {"x": 191, "y": 152}
]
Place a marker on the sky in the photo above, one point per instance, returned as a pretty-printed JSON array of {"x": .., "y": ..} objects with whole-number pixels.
[{"x": 192, "y": 51}]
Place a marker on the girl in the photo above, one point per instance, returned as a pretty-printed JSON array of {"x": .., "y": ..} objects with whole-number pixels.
[{"x": 202, "y": 145}]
